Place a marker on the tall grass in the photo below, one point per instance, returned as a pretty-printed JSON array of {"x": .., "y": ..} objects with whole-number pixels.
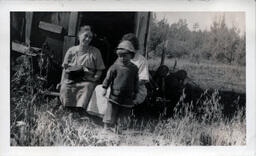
[{"x": 61, "y": 128}]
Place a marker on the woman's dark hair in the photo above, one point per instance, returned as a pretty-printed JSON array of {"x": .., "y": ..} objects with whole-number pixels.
[
  {"x": 85, "y": 28},
  {"x": 133, "y": 39}
]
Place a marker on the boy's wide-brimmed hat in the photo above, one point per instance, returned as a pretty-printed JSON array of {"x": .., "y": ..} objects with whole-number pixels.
[{"x": 125, "y": 47}]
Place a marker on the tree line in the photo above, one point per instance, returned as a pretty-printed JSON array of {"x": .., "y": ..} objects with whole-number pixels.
[{"x": 219, "y": 44}]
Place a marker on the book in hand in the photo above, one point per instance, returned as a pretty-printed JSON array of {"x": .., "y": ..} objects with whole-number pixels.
[{"x": 77, "y": 73}]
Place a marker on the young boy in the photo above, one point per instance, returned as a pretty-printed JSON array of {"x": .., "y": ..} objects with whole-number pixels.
[{"x": 122, "y": 77}]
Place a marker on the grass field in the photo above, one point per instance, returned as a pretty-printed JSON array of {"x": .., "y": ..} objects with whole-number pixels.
[
  {"x": 208, "y": 74},
  {"x": 40, "y": 121}
]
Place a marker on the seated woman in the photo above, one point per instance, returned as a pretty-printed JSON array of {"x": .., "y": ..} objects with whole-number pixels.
[{"x": 82, "y": 68}]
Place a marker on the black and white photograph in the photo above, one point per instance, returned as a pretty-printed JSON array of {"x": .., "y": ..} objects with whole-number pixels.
[{"x": 129, "y": 78}]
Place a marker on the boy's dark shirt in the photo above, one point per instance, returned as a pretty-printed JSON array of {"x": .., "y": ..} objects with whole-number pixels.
[{"x": 123, "y": 80}]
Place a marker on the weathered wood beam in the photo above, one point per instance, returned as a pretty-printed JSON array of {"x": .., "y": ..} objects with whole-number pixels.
[
  {"x": 28, "y": 27},
  {"x": 142, "y": 29},
  {"x": 69, "y": 41},
  {"x": 19, "y": 47},
  {"x": 164, "y": 52},
  {"x": 73, "y": 21},
  {"x": 22, "y": 49},
  {"x": 50, "y": 27},
  {"x": 147, "y": 35}
]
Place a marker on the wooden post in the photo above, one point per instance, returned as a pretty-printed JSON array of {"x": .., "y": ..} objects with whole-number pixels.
[
  {"x": 29, "y": 20},
  {"x": 73, "y": 20},
  {"x": 70, "y": 40},
  {"x": 28, "y": 29},
  {"x": 164, "y": 53},
  {"x": 147, "y": 35},
  {"x": 142, "y": 28}
]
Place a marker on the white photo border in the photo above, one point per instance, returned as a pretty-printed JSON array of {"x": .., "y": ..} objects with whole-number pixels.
[{"x": 247, "y": 6}]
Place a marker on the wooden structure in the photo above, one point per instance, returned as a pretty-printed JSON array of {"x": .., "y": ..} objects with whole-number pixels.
[{"x": 59, "y": 30}]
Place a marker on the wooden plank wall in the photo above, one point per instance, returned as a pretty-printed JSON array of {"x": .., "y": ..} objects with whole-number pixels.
[
  {"x": 51, "y": 27},
  {"x": 61, "y": 19}
]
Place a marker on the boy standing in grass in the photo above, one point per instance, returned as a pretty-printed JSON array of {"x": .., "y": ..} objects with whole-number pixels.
[{"x": 122, "y": 77}]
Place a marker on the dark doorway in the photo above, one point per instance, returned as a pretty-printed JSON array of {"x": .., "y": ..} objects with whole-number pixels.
[{"x": 109, "y": 27}]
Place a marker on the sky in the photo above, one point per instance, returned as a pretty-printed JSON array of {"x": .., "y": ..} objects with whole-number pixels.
[{"x": 205, "y": 19}]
